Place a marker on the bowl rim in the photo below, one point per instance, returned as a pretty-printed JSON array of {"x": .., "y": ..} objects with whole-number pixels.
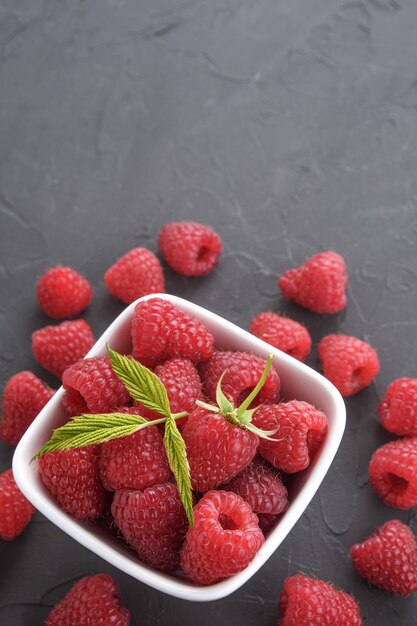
[{"x": 83, "y": 532}]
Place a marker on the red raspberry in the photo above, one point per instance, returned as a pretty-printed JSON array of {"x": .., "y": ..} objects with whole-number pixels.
[
  {"x": 348, "y": 362},
  {"x": 224, "y": 539},
  {"x": 153, "y": 522},
  {"x": 189, "y": 248},
  {"x": 319, "y": 284},
  {"x": 136, "y": 274},
  {"x": 63, "y": 292},
  {"x": 136, "y": 461},
  {"x": 393, "y": 473},
  {"x": 398, "y": 408},
  {"x": 388, "y": 558},
  {"x": 57, "y": 347},
  {"x": 94, "y": 600},
  {"x": 72, "y": 477},
  {"x": 92, "y": 386},
  {"x": 161, "y": 331},
  {"x": 15, "y": 510},
  {"x": 282, "y": 333},
  {"x": 261, "y": 487},
  {"x": 301, "y": 430},
  {"x": 312, "y": 602},
  {"x": 243, "y": 373},
  {"x": 267, "y": 522},
  {"x": 24, "y": 396}
]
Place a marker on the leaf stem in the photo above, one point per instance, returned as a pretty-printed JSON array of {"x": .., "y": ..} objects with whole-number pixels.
[{"x": 256, "y": 390}]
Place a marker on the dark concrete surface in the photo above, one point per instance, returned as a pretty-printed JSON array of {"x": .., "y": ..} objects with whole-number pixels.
[{"x": 291, "y": 127}]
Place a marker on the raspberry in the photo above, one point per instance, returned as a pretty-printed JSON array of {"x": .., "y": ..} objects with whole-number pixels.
[
  {"x": 224, "y": 539},
  {"x": 93, "y": 600},
  {"x": 92, "y": 386},
  {"x": 24, "y": 396},
  {"x": 388, "y": 558},
  {"x": 136, "y": 461},
  {"x": 189, "y": 248},
  {"x": 72, "y": 477},
  {"x": 319, "y": 284},
  {"x": 136, "y": 274},
  {"x": 216, "y": 449},
  {"x": 153, "y": 522},
  {"x": 398, "y": 408},
  {"x": 63, "y": 292},
  {"x": 15, "y": 510},
  {"x": 57, "y": 347},
  {"x": 267, "y": 522},
  {"x": 301, "y": 430},
  {"x": 393, "y": 473},
  {"x": 243, "y": 372},
  {"x": 312, "y": 602},
  {"x": 261, "y": 487},
  {"x": 161, "y": 331},
  {"x": 282, "y": 333},
  {"x": 348, "y": 362}
]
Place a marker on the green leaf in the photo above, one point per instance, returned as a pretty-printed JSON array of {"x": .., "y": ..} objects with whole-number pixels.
[
  {"x": 256, "y": 390},
  {"x": 263, "y": 434},
  {"x": 224, "y": 404},
  {"x": 177, "y": 458},
  {"x": 142, "y": 384}
]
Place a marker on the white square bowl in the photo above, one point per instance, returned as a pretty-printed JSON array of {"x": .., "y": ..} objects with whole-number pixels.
[{"x": 297, "y": 381}]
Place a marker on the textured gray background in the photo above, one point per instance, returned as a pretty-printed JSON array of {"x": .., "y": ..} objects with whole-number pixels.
[{"x": 290, "y": 126}]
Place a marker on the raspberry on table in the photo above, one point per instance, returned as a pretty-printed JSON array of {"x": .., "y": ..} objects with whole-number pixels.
[
  {"x": 72, "y": 477},
  {"x": 92, "y": 601},
  {"x": 92, "y": 386},
  {"x": 161, "y": 331},
  {"x": 398, "y": 408},
  {"x": 348, "y": 362},
  {"x": 15, "y": 510},
  {"x": 57, "y": 347},
  {"x": 137, "y": 273},
  {"x": 388, "y": 558},
  {"x": 24, "y": 396},
  {"x": 243, "y": 371},
  {"x": 307, "y": 601},
  {"x": 301, "y": 430},
  {"x": 189, "y": 248},
  {"x": 283, "y": 333},
  {"x": 225, "y": 538},
  {"x": 153, "y": 522},
  {"x": 63, "y": 292},
  {"x": 393, "y": 473}
]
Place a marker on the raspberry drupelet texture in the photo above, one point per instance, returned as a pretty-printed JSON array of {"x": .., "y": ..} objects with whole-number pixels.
[
  {"x": 348, "y": 362},
  {"x": 72, "y": 477},
  {"x": 283, "y": 333},
  {"x": 24, "y": 396},
  {"x": 58, "y": 347},
  {"x": 15, "y": 510},
  {"x": 92, "y": 601},
  {"x": 224, "y": 539},
  {"x": 243, "y": 371},
  {"x": 137, "y": 273},
  {"x": 93, "y": 387},
  {"x": 319, "y": 284},
  {"x": 189, "y": 248},
  {"x": 63, "y": 292},
  {"x": 153, "y": 522},
  {"x": 161, "y": 331},
  {"x": 393, "y": 473},
  {"x": 216, "y": 449},
  {"x": 301, "y": 430},
  {"x": 398, "y": 408},
  {"x": 313, "y": 602},
  {"x": 388, "y": 558},
  {"x": 134, "y": 462}
]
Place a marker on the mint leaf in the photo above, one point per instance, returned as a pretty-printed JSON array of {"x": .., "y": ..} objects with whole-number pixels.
[
  {"x": 178, "y": 462},
  {"x": 224, "y": 405},
  {"x": 142, "y": 384}
]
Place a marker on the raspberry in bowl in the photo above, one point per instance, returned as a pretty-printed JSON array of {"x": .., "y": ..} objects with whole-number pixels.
[{"x": 298, "y": 382}]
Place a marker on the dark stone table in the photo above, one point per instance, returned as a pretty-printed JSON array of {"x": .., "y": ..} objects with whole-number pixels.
[{"x": 290, "y": 126}]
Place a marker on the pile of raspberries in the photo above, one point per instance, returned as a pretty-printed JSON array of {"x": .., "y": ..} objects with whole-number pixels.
[{"x": 238, "y": 479}]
